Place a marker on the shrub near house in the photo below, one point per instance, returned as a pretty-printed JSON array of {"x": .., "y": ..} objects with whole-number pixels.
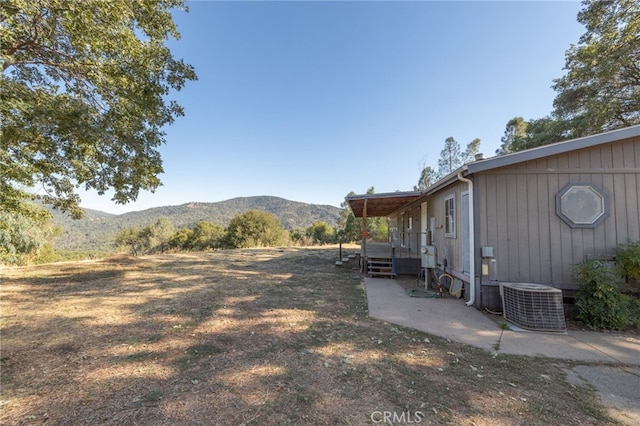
[
  {"x": 628, "y": 264},
  {"x": 602, "y": 299}
]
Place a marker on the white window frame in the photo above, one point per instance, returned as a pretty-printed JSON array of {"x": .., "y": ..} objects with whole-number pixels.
[{"x": 450, "y": 216}]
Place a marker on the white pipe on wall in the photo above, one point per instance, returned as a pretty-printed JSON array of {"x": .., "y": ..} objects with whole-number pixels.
[{"x": 472, "y": 250}]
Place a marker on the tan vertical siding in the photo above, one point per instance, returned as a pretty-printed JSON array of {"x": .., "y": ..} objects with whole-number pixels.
[
  {"x": 518, "y": 212},
  {"x": 544, "y": 228},
  {"x": 500, "y": 221},
  {"x": 449, "y": 248},
  {"x": 599, "y": 233},
  {"x": 632, "y": 189},
  {"x": 533, "y": 231},
  {"x": 555, "y": 225},
  {"x": 486, "y": 197},
  {"x": 619, "y": 194},
  {"x": 637, "y": 175}
]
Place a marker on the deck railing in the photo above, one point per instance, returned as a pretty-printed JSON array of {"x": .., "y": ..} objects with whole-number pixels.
[{"x": 408, "y": 243}]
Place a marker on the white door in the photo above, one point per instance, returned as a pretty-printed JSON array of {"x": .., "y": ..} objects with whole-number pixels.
[
  {"x": 423, "y": 225},
  {"x": 432, "y": 231}
]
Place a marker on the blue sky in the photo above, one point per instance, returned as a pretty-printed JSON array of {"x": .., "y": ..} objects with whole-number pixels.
[{"x": 311, "y": 100}]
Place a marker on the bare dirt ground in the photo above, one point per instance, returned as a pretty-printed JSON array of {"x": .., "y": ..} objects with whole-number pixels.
[{"x": 248, "y": 337}]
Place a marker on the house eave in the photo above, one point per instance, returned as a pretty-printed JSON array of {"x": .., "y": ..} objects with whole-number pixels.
[
  {"x": 553, "y": 149},
  {"x": 447, "y": 180},
  {"x": 380, "y": 205}
]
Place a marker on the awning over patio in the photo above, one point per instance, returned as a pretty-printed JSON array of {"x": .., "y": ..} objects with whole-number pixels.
[{"x": 380, "y": 205}]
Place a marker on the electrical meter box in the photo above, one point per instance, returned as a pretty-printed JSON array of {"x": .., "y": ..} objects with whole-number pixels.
[
  {"x": 487, "y": 251},
  {"x": 428, "y": 256}
]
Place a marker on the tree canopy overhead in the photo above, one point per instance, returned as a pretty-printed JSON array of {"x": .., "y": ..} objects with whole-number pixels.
[
  {"x": 83, "y": 98},
  {"x": 601, "y": 89}
]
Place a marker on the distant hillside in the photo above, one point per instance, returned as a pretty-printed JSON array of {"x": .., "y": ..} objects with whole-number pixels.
[{"x": 97, "y": 230}]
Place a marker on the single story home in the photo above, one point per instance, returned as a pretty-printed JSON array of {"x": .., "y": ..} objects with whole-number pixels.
[{"x": 524, "y": 217}]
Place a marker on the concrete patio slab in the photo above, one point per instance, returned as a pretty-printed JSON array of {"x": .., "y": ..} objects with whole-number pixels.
[
  {"x": 453, "y": 319},
  {"x": 444, "y": 317},
  {"x": 618, "y": 383}
]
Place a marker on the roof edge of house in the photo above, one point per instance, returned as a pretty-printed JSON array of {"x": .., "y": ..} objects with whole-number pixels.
[
  {"x": 553, "y": 149},
  {"x": 384, "y": 195}
]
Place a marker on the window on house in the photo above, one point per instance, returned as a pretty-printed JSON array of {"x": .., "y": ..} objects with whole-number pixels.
[{"x": 450, "y": 216}]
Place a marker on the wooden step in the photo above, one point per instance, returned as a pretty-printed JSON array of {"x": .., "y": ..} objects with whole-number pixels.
[
  {"x": 380, "y": 267},
  {"x": 379, "y": 261},
  {"x": 382, "y": 274}
]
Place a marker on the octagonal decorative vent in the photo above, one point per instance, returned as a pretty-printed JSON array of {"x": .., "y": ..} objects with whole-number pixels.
[{"x": 581, "y": 205}]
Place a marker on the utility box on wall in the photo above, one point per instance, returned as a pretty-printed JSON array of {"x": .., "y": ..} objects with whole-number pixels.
[
  {"x": 428, "y": 256},
  {"x": 487, "y": 252}
]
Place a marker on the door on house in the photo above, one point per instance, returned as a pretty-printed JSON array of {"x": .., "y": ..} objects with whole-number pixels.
[
  {"x": 464, "y": 232},
  {"x": 423, "y": 225}
]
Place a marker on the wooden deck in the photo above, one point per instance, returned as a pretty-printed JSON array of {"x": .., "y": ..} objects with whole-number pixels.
[{"x": 384, "y": 260}]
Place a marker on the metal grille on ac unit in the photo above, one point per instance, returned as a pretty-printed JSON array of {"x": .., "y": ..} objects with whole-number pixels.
[{"x": 533, "y": 306}]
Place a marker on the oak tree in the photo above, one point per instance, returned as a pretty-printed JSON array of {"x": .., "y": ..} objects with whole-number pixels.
[
  {"x": 601, "y": 89},
  {"x": 84, "y": 98},
  {"x": 255, "y": 228}
]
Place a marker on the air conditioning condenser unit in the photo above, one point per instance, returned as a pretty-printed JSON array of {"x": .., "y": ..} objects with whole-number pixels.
[{"x": 535, "y": 307}]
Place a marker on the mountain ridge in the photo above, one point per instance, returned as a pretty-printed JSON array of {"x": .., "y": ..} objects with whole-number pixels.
[{"x": 96, "y": 231}]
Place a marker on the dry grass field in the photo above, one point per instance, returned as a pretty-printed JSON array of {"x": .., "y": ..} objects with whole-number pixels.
[{"x": 247, "y": 337}]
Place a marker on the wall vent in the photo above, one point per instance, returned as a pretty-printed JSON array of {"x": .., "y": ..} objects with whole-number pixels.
[{"x": 533, "y": 306}]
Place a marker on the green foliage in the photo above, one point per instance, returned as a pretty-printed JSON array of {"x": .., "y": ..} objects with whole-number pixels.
[
  {"x": 206, "y": 235},
  {"x": 130, "y": 238},
  {"x": 97, "y": 230},
  {"x": 321, "y": 233},
  {"x": 266, "y": 231},
  {"x": 378, "y": 228},
  {"x": 520, "y": 134},
  {"x": 153, "y": 238},
  {"x": 451, "y": 158},
  {"x": 600, "y": 303},
  {"x": 255, "y": 228},
  {"x": 601, "y": 89},
  {"x": 544, "y": 131},
  {"x": 348, "y": 225},
  {"x": 83, "y": 97},
  {"x": 427, "y": 178},
  {"x": 628, "y": 260},
  {"x": 351, "y": 227},
  {"x": 350, "y": 230},
  {"x": 299, "y": 237},
  {"x": 160, "y": 234},
  {"x": 470, "y": 151},
  {"x": 515, "y": 135},
  {"x": 180, "y": 239},
  {"x": 24, "y": 236},
  {"x": 634, "y": 306}
]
